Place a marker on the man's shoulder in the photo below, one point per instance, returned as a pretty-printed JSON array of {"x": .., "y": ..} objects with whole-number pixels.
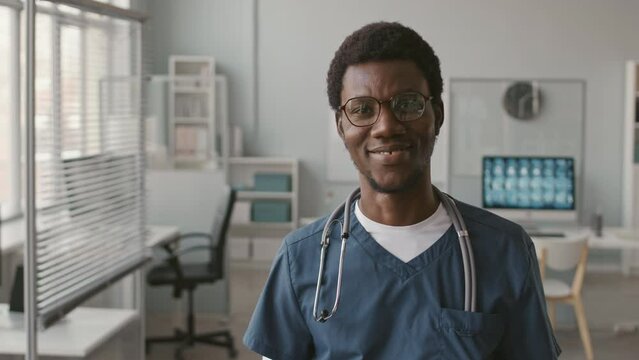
[
  {"x": 303, "y": 244},
  {"x": 488, "y": 221},
  {"x": 499, "y": 245},
  {"x": 306, "y": 233},
  {"x": 493, "y": 233}
]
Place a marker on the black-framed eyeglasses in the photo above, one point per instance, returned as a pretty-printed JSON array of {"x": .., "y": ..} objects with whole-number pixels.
[{"x": 364, "y": 110}]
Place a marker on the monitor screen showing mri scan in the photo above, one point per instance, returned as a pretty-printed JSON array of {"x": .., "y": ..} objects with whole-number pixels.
[{"x": 528, "y": 183}]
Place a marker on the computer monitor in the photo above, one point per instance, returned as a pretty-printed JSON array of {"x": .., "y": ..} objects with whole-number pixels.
[{"x": 530, "y": 189}]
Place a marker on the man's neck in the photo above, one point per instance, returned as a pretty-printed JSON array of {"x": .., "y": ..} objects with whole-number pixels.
[{"x": 401, "y": 208}]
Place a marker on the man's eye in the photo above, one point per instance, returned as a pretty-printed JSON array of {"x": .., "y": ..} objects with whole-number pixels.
[
  {"x": 408, "y": 106},
  {"x": 361, "y": 109}
]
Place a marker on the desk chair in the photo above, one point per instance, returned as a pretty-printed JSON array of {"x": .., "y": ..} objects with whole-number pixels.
[
  {"x": 187, "y": 276},
  {"x": 562, "y": 255}
]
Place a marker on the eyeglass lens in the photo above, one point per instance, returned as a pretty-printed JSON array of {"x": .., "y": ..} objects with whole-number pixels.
[{"x": 364, "y": 110}]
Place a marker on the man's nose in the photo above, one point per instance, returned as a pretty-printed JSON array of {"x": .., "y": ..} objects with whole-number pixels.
[{"x": 387, "y": 124}]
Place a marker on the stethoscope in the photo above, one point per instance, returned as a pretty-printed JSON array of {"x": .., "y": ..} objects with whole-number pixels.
[{"x": 468, "y": 260}]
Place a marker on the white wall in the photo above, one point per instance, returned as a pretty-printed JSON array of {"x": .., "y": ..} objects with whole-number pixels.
[
  {"x": 576, "y": 39},
  {"x": 582, "y": 39},
  {"x": 223, "y": 29}
]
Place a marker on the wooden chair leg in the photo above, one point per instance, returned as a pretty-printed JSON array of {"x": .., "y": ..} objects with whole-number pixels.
[
  {"x": 583, "y": 327},
  {"x": 550, "y": 305}
]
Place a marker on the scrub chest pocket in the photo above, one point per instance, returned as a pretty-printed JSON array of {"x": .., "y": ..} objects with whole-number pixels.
[{"x": 469, "y": 335}]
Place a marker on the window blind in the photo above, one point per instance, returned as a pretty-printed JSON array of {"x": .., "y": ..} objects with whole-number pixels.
[
  {"x": 16, "y": 4},
  {"x": 89, "y": 153}
]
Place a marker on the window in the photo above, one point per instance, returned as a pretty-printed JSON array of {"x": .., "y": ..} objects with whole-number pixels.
[
  {"x": 9, "y": 111},
  {"x": 88, "y": 149},
  {"x": 89, "y": 191},
  {"x": 5, "y": 122},
  {"x": 70, "y": 61},
  {"x": 72, "y": 76}
]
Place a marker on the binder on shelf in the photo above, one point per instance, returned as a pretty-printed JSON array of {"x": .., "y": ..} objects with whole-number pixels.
[
  {"x": 270, "y": 211},
  {"x": 272, "y": 182}
]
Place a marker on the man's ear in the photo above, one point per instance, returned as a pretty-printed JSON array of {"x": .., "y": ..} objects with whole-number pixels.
[
  {"x": 338, "y": 125},
  {"x": 438, "y": 109}
]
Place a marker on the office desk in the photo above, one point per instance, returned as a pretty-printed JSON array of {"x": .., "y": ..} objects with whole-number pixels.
[
  {"x": 161, "y": 235},
  {"x": 78, "y": 335},
  {"x": 12, "y": 235},
  {"x": 84, "y": 329},
  {"x": 623, "y": 239},
  {"x": 612, "y": 238},
  {"x": 615, "y": 238}
]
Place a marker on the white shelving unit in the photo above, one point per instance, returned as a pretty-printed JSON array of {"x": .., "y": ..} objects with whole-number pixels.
[
  {"x": 240, "y": 175},
  {"x": 192, "y": 121}
]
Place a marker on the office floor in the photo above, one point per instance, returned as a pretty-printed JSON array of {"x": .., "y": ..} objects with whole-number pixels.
[{"x": 608, "y": 298}]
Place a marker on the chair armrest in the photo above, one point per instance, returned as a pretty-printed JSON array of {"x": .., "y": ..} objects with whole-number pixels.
[
  {"x": 195, "y": 235},
  {"x": 171, "y": 250},
  {"x": 175, "y": 254},
  {"x": 172, "y": 257},
  {"x": 189, "y": 249}
]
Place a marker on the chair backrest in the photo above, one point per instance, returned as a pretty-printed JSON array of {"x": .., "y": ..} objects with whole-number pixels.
[
  {"x": 541, "y": 253},
  {"x": 219, "y": 232},
  {"x": 564, "y": 254}
]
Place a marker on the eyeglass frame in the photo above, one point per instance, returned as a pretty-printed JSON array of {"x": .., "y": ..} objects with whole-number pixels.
[{"x": 427, "y": 100}]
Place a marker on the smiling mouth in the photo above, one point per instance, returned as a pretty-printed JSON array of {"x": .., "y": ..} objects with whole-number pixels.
[
  {"x": 389, "y": 150},
  {"x": 391, "y": 155}
]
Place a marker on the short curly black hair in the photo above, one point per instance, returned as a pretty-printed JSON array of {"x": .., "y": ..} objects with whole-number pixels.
[{"x": 383, "y": 41}]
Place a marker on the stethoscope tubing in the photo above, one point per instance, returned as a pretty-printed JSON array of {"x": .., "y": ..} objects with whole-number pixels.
[
  {"x": 468, "y": 259},
  {"x": 325, "y": 242}
]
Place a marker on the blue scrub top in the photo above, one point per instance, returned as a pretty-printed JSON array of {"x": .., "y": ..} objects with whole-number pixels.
[{"x": 395, "y": 310}]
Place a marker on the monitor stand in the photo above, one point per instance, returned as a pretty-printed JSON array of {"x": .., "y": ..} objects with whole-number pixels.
[
  {"x": 540, "y": 230},
  {"x": 529, "y": 226}
]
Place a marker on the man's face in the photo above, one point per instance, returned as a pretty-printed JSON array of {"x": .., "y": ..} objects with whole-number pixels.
[{"x": 392, "y": 156}]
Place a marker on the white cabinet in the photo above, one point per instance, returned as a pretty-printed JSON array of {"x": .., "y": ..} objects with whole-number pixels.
[
  {"x": 192, "y": 128},
  {"x": 241, "y": 172}
]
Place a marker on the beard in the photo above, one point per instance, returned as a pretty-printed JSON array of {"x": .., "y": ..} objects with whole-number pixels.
[
  {"x": 410, "y": 182},
  {"x": 406, "y": 185}
]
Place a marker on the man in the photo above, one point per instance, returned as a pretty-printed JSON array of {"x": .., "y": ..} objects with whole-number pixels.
[{"x": 402, "y": 295}]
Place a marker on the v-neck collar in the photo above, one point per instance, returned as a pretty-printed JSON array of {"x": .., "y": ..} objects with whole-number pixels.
[{"x": 383, "y": 257}]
